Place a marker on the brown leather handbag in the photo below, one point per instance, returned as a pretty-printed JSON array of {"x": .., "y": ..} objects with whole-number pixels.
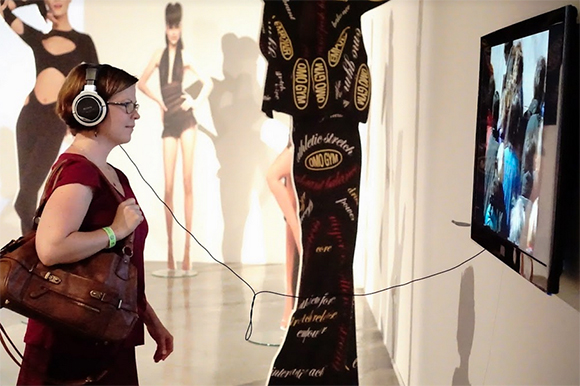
[{"x": 95, "y": 297}]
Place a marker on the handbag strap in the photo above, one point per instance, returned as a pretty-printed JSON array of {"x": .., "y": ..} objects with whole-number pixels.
[
  {"x": 8, "y": 351},
  {"x": 48, "y": 186}
]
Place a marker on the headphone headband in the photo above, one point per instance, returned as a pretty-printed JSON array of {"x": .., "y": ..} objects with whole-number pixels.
[
  {"x": 89, "y": 109},
  {"x": 91, "y": 75}
]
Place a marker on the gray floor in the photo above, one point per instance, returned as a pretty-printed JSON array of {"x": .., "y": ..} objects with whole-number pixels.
[{"x": 208, "y": 314}]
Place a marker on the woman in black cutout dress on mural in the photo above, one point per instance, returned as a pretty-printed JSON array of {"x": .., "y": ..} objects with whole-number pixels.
[
  {"x": 179, "y": 123},
  {"x": 39, "y": 132}
]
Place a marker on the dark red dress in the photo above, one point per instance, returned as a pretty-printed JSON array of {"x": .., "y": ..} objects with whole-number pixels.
[{"x": 54, "y": 355}]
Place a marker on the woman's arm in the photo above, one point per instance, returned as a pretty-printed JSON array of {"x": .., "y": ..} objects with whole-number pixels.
[
  {"x": 159, "y": 333},
  {"x": 14, "y": 22},
  {"x": 58, "y": 239},
  {"x": 142, "y": 84}
]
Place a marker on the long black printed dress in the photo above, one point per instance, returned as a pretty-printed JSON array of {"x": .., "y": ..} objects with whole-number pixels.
[{"x": 318, "y": 74}]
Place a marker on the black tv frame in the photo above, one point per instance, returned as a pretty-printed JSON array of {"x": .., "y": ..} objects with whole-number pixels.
[{"x": 564, "y": 254}]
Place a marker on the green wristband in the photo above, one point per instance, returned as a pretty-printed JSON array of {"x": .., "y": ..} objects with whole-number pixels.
[{"x": 112, "y": 237}]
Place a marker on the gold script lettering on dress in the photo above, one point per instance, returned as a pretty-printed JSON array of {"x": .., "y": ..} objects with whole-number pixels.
[
  {"x": 285, "y": 42},
  {"x": 301, "y": 75},
  {"x": 335, "y": 52},
  {"x": 320, "y": 82},
  {"x": 362, "y": 87}
]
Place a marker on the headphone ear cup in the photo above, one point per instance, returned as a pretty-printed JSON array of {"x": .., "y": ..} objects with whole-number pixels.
[{"x": 88, "y": 108}]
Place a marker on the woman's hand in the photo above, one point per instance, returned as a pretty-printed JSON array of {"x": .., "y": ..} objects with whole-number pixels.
[
  {"x": 50, "y": 17},
  {"x": 159, "y": 333},
  {"x": 164, "y": 341},
  {"x": 127, "y": 218},
  {"x": 162, "y": 105},
  {"x": 189, "y": 102}
]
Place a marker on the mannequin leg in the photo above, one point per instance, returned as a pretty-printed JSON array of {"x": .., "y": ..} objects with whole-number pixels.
[{"x": 279, "y": 178}]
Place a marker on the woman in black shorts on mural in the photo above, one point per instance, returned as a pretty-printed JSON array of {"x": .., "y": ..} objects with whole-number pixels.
[
  {"x": 179, "y": 124},
  {"x": 39, "y": 132}
]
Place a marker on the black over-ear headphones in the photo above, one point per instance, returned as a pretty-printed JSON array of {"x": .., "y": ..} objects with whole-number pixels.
[{"x": 88, "y": 108}]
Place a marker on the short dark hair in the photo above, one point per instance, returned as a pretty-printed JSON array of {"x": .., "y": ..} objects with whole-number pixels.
[
  {"x": 109, "y": 81},
  {"x": 173, "y": 14}
]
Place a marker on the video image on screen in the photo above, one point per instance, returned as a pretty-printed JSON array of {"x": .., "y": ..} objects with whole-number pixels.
[
  {"x": 523, "y": 208},
  {"x": 515, "y": 124}
]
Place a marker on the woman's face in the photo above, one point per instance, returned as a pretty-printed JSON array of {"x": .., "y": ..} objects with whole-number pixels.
[
  {"x": 173, "y": 33},
  {"x": 57, "y": 7},
  {"x": 119, "y": 125}
]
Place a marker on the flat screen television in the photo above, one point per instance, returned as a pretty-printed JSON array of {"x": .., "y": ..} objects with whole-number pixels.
[{"x": 525, "y": 185}]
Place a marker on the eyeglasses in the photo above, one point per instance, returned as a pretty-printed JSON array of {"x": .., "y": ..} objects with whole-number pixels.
[{"x": 130, "y": 106}]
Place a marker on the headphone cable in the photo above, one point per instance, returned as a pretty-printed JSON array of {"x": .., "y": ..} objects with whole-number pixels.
[{"x": 255, "y": 293}]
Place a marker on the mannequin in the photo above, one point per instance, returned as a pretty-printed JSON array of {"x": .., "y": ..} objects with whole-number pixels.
[{"x": 317, "y": 74}]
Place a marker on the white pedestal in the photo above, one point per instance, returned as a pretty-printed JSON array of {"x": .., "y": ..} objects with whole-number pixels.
[{"x": 174, "y": 273}]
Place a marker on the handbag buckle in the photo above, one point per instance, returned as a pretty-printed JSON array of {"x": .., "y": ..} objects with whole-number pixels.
[
  {"x": 97, "y": 294},
  {"x": 52, "y": 278},
  {"x": 127, "y": 251}
]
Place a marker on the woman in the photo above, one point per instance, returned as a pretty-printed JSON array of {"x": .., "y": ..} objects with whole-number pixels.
[
  {"x": 80, "y": 212},
  {"x": 179, "y": 124},
  {"x": 279, "y": 179},
  {"x": 39, "y": 131}
]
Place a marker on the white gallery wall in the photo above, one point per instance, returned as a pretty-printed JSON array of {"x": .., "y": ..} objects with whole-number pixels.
[{"x": 480, "y": 324}]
